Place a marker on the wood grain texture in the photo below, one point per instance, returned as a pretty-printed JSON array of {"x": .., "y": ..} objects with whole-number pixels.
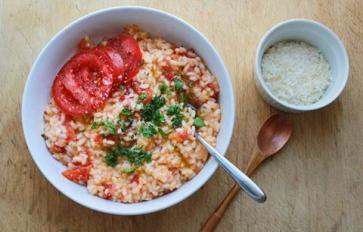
[{"x": 315, "y": 184}]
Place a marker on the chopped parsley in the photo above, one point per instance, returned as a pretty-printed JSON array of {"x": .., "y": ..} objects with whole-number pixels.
[
  {"x": 122, "y": 88},
  {"x": 178, "y": 84},
  {"x": 126, "y": 112},
  {"x": 123, "y": 127},
  {"x": 129, "y": 169},
  {"x": 163, "y": 88},
  {"x": 135, "y": 155},
  {"x": 158, "y": 118},
  {"x": 151, "y": 112},
  {"x": 163, "y": 133},
  {"x": 198, "y": 122},
  {"x": 110, "y": 125},
  {"x": 177, "y": 120},
  {"x": 183, "y": 98},
  {"x": 178, "y": 116},
  {"x": 141, "y": 97},
  {"x": 172, "y": 110},
  {"x": 158, "y": 102},
  {"x": 147, "y": 130}
]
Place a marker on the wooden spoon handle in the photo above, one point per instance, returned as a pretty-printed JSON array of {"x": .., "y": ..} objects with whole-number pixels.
[{"x": 214, "y": 219}]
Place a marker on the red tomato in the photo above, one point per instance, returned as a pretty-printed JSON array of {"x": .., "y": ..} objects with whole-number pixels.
[
  {"x": 71, "y": 133},
  {"x": 79, "y": 174},
  {"x": 179, "y": 136},
  {"x": 65, "y": 100},
  {"x": 98, "y": 139},
  {"x": 130, "y": 53},
  {"x": 107, "y": 191},
  {"x": 117, "y": 61},
  {"x": 84, "y": 83},
  {"x": 135, "y": 179},
  {"x": 169, "y": 72}
]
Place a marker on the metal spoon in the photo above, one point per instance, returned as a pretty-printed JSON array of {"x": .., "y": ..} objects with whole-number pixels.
[
  {"x": 241, "y": 179},
  {"x": 273, "y": 135}
]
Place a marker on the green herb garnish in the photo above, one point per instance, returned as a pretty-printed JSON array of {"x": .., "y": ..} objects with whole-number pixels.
[
  {"x": 177, "y": 120},
  {"x": 126, "y": 112},
  {"x": 183, "y": 75},
  {"x": 111, "y": 159},
  {"x": 151, "y": 111},
  {"x": 158, "y": 102},
  {"x": 158, "y": 118},
  {"x": 163, "y": 133},
  {"x": 147, "y": 130},
  {"x": 172, "y": 110},
  {"x": 111, "y": 126},
  {"x": 129, "y": 169},
  {"x": 183, "y": 98},
  {"x": 198, "y": 122},
  {"x": 135, "y": 155},
  {"x": 178, "y": 84},
  {"x": 141, "y": 97},
  {"x": 163, "y": 88},
  {"x": 123, "y": 127},
  {"x": 178, "y": 117}
]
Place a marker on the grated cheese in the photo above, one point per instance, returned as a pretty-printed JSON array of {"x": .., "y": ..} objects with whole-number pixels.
[{"x": 296, "y": 72}]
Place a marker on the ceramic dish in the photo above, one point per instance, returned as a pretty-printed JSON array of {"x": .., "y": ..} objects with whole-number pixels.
[
  {"x": 109, "y": 22},
  {"x": 317, "y": 35}
]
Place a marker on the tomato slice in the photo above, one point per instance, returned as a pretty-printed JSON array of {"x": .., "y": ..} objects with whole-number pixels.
[
  {"x": 117, "y": 64},
  {"x": 65, "y": 100},
  {"x": 130, "y": 52},
  {"x": 79, "y": 174},
  {"x": 84, "y": 83},
  {"x": 88, "y": 78}
]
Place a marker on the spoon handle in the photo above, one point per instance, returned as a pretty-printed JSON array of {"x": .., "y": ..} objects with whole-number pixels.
[
  {"x": 242, "y": 179},
  {"x": 215, "y": 218}
]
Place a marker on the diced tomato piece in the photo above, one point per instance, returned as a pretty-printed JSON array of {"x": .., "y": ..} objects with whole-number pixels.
[
  {"x": 57, "y": 149},
  {"x": 107, "y": 191},
  {"x": 179, "y": 137},
  {"x": 98, "y": 139},
  {"x": 71, "y": 133},
  {"x": 135, "y": 179},
  {"x": 149, "y": 97},
  {"x": 170, "y": 76},
  {"x": 183, "y": 135},
  {"x": 169, "y": 72},
  {"x": 79, "y": 174}
]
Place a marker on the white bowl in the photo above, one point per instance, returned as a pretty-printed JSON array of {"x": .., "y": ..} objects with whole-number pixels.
[
  {"x": 317, "y": 35},
  {"x": 109, "y": 22}
]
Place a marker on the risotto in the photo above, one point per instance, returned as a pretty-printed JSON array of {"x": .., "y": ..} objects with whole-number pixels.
[{"x": 139, "y": 143}]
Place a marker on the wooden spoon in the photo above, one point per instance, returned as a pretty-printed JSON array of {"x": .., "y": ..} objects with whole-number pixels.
[{"x": 273, "y": 135}]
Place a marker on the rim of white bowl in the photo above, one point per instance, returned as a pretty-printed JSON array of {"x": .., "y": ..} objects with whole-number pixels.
[
  {"x": 315, "y": 105},
  {"x": 203, "y": 178}
]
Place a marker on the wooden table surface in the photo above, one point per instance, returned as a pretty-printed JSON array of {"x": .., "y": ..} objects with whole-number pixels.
[{"x": 314, "y": 184}]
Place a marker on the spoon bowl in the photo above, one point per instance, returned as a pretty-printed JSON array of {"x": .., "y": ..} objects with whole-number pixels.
[{"x": 274, "y": 134}]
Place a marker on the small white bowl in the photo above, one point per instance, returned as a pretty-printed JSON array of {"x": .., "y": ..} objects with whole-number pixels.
[
  {"x": 106, "y": 23},
  {"x": 317, "y": 35}
]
